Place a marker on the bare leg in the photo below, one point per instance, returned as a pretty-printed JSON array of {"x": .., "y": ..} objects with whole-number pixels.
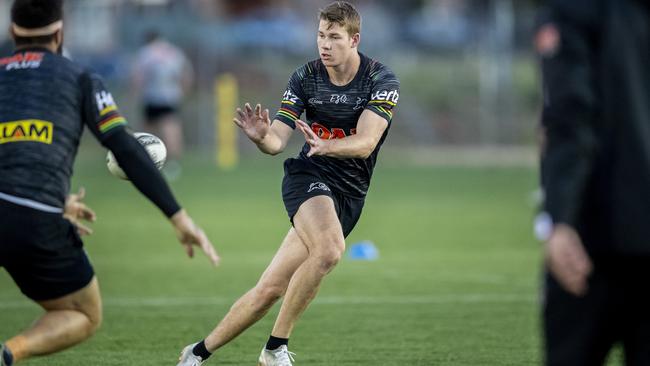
[
  {"x": 319, "y": 228},
  {"x": 256, "y": 302},
  {"x": 171, "y": 132},
  {"x": 67, "y": 321}
]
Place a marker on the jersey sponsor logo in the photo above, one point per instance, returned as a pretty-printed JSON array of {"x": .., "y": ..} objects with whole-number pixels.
[
  {"x": 105, "y": 102},
  {"x": 33, "y": 130},
  {"x": 339, "y": 98},
  {"x": 315, "y": 101},
  {"x": 27, "y": 60},
  {"x": 289, "y": 97},
  {"x": 318, "y": 186},
  {"x": 361, "y": 103},
  {"x": 327, "y": 134},
  {"x": 385, "y": 96}
]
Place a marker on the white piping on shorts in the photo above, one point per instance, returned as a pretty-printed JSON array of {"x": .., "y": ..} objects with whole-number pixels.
[{"x": 30, "y": 203}]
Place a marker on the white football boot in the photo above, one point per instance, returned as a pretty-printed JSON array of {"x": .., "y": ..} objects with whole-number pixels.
[
  {"x": 278, "y": 357},
  {"x": 188, "y": 358}
]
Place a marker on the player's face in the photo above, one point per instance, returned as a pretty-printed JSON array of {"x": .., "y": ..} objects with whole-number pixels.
[{"x": 335, "y": 45}]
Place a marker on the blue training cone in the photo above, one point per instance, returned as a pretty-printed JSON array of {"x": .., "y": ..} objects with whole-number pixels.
[{"x": 363, "y": 251}]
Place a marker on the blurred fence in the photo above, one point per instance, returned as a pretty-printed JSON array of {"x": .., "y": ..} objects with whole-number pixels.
[{"x": 467, "y": 72}]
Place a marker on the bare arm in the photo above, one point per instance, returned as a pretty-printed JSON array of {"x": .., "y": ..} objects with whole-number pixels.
[
  {"x": 370, "y": 128},
  {"x": 270, "y": 138}
]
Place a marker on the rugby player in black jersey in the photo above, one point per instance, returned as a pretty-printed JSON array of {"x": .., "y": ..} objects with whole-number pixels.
[
  {"x": 45, "y": 102},
  {"x": 349, "y": 100}
]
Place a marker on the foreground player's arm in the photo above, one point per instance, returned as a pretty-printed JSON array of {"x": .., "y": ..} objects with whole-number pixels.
[
  {"x": 370, "y": 128},
  {"x": 569, "y": 109},
  {"x": 105, "y": 122},
  {"x": 270, "y": 138},
  {"x": 567, "y": 160}
]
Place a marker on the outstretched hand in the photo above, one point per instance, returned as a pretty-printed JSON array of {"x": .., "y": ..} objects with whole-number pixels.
[
  {"x": 255, "y": 124},
  {"x": 317, "y": 145},
  {"x": 76, "y": 212},
  {"x": 190, "y": 235}
]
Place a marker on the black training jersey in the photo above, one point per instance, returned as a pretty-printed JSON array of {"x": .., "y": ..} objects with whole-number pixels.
[
  {"x": 45, "y": 101},
  {"x": 333, "y": 111}
]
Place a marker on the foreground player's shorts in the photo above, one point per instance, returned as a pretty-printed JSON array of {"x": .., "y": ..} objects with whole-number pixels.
[
  {"x": 42, "y": 252},
  {"x": 302, "y": 181}
]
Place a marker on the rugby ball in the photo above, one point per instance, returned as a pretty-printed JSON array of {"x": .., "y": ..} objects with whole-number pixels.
[{"x": 152, "y": 144}]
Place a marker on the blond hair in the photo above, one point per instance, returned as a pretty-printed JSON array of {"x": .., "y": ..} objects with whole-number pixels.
[{"x": 344, "y": 14}]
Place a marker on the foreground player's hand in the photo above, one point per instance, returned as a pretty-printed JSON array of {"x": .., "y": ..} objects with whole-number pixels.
[
  {"x": 317, "y": 145},
  {"x": 255, "y": 124},
  {"x": 189, "y": 234},
  {"x": 567, "y": 259},
  {"x": 76, "y": 211}
]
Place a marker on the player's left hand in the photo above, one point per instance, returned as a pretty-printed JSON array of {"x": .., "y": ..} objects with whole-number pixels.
[
  {"x": 567, "y": 260},
  {"x": 318, "y": 145},
  {"x": 75, "y": 211},
  {"x": 189, "y": 235}
]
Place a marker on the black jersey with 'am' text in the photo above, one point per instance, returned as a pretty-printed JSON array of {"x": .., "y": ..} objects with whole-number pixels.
[
  {"x": 45, "y": 102},
  {"x": 333, "y": 112}
]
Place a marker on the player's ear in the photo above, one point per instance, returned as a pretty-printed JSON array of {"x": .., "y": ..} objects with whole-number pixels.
[
  {"x": 11, "y": 32},
  {"x": 58, "y": 38},
  {"x": 356, "y": 38}
]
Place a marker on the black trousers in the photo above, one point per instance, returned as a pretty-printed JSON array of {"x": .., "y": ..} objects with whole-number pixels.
[{"x": 580, "y": 331}]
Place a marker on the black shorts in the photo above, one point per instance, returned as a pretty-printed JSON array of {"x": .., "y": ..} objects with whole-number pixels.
[
  {"x": 153, "y": 113},
  {"x": 42, "y": 252},
  {"x": 581, "y": 331},
  {"x": 302, "y": 181}
]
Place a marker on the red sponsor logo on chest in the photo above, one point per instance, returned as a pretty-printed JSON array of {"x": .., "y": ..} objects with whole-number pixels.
[{"x": 327, "y": 134}]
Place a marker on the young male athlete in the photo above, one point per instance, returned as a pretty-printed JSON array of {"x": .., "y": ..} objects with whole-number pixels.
[
  {"x": 45, "y": 103},
  {"x": 348, "y": 99}
]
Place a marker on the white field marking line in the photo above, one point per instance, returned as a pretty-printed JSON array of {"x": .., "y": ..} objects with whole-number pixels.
[{"x": 478, "y": 298}]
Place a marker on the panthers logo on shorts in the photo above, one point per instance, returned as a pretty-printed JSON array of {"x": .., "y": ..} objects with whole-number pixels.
[{"x": 318, "y": 185}]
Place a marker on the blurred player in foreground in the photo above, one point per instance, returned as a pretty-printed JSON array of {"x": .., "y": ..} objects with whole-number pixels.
[
  {"x": 45, "y": 103},
  {"x": 349, "y": 100},
  {"x": 596, "y": 177}
]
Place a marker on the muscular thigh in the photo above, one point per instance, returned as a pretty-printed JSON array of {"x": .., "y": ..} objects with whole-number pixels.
[
  {"x": 288, "y": 258},
  {"x": 317, "y": 224},
  {"x": 86, "y": 300}
]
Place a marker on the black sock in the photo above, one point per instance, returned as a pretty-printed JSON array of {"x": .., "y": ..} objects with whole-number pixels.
[
  {"x": 201, "y": 351},
  {"x": 275, "y": 343},
  {"x": 7, "y": 357}
]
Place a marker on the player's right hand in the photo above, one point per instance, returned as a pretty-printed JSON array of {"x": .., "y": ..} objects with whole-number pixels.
[
  {"x": 76, "y": 211},
  {"x": 255, "y": 124},
  {"x": 567, "y": 260},
  {"x": 189, "y": 235}
]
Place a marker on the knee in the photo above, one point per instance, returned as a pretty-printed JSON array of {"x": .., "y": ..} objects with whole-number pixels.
[
  {"x": 328, "y": 258},
  {"x": 267, "y": 294},
  {"x": 95, "y": 319}
]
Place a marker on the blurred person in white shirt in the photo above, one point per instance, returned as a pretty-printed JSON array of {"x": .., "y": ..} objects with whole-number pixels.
[{"x": 162, "y": 75}]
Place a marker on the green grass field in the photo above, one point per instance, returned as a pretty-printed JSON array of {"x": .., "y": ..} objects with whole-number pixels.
[{"x": 456, "y": 282}]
